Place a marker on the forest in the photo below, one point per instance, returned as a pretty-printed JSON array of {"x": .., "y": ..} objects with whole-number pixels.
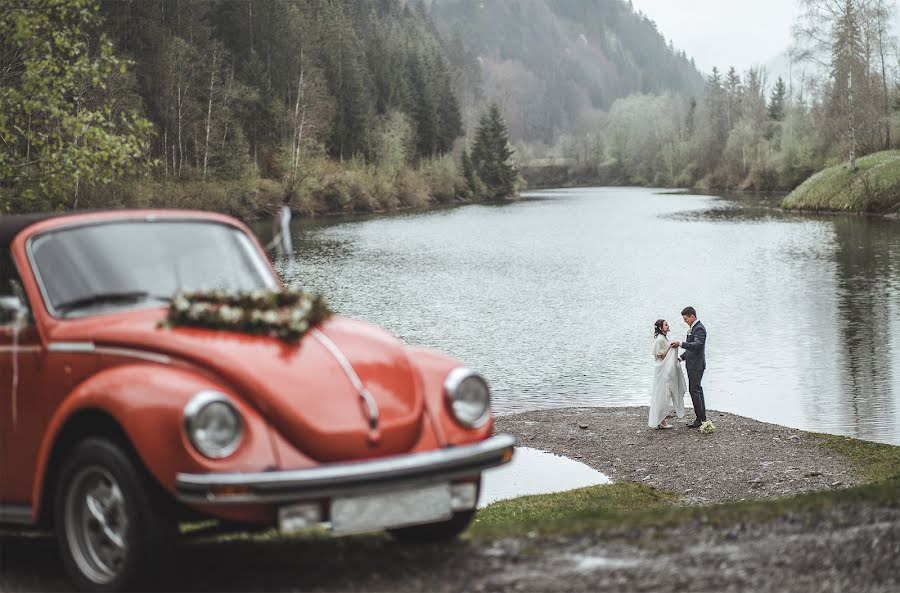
[
  {"x": 240, "y": 106},
  {"x": 746, "y": 131},
  {"x": 347, "y": 106}
]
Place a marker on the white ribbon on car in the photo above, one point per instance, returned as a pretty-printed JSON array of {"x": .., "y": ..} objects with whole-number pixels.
[
  {"x": 368, "y": 400},
  {"x": 17, "y": 327}
]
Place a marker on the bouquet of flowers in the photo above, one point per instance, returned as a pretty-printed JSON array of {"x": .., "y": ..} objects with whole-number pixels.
[
  {"x": 707, "y": 427},
  {"x": 284, "y": 313}
]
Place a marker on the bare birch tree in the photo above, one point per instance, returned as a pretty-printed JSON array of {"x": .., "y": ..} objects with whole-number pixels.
[
  {"x": 212, "y": 80},
  {"x": 308, "y": 117},
  {"x": 831, "y": 32}
]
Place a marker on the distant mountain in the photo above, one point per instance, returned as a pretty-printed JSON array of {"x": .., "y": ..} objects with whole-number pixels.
[{"x": 551, "y": 63}]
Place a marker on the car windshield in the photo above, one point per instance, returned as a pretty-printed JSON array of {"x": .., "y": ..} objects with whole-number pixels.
[{"x": 127, "y": 264}]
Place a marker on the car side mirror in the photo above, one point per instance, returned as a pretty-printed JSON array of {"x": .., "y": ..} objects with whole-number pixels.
[{"x": 13, "y": 311}]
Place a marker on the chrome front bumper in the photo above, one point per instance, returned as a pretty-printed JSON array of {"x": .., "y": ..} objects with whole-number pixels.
[{"x": 341, "y": 479}]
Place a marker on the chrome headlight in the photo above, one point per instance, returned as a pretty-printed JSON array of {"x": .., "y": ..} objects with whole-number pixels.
[
  {"x": 213, "y": 424},
  {"x": 468, "y": 396}
]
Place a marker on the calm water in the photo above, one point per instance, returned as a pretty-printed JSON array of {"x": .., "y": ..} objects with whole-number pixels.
[
  {"x": 536, "y": 472},
  {"x": 553, "y": 298}
]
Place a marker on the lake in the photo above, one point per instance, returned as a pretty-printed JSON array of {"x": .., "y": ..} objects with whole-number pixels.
[{"x": 553, "y": 298}]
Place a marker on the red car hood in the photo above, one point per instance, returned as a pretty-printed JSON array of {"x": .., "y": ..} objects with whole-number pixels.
[{"x": 302, "y": 390}]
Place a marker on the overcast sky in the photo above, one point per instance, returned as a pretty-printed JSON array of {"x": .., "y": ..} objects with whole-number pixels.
[{"x": 724, "y": 33}]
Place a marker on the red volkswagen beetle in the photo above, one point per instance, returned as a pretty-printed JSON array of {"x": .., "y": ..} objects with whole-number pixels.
[{"x": 116, "y": 424}]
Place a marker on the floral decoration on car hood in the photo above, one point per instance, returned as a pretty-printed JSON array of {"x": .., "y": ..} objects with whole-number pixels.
[{"x": 286, "y": 314}]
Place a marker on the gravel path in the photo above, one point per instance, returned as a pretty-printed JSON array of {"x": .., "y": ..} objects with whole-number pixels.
[{"x": 743, "y": 459}]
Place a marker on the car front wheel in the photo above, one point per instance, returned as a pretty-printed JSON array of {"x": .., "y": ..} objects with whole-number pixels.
[
  {"x": 112, "y": 527},
  {"x": 437, "y": 532}
]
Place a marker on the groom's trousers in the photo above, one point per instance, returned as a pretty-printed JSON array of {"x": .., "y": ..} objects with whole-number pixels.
[{"x": 696, "y": 391}]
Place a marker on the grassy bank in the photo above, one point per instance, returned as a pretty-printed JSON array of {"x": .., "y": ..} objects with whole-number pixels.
[
  {"x": 327, "y": 187},
  {"x": 873, "y": 188},
  {"x": 626, "y": 506}
]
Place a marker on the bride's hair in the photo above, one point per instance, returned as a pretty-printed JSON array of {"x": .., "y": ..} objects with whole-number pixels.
[{"x": 657, "y": 327}]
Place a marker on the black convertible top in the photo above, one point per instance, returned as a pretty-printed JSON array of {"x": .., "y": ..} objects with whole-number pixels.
[{"x": 10, "y": 226}]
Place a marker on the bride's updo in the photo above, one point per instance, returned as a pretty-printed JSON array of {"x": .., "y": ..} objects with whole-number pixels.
[{"x": 657, "y": 327}]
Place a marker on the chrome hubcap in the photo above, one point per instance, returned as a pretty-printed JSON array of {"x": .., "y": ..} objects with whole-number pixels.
[{"x": 97, "y": 524}]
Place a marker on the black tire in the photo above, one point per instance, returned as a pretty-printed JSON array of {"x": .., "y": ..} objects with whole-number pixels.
[
  {"x": 113, "y": 526},
  {"x": 437, "y": 532},
  {"x": 434, "y": 532}
]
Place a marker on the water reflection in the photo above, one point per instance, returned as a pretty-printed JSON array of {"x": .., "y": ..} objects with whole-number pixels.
[
  {"x": 536, "y": 472},
  {"x": 553, "y": 298},
  {"x": 867, "y": 296}
]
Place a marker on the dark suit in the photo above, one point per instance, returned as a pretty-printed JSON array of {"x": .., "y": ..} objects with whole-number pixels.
[{"x": 694, "y": 359}]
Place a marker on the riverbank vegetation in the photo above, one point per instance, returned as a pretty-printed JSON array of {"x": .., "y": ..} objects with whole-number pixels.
[
  {"x": 874, "y": 187},
  {"x": 321, "y": 105}
]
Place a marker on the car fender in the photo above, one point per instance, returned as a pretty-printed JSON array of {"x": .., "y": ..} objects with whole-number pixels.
[
  {"x": 147, "y": 402},
  {"x": 433, "y": 368}
]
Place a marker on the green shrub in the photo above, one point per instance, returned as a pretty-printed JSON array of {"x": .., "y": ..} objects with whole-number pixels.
[
  {"x": 412, "y": 191},
  {"x": 444, "y": 179}
]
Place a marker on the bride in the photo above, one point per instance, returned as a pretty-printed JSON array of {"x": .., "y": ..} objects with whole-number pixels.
[{"x": 667, "y": 395}]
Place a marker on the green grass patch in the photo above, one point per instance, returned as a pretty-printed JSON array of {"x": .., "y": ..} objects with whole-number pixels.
[
  {"x": 564, "y": 510},
  {"x": 628, "y": 506},
  {"x": 632, "y": 508},
  {"x": 873, "y": 188},
  {"x": 875, "y": 462}
]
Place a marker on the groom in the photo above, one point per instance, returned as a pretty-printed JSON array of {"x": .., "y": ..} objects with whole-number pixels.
[{"x": 694, "y": 358}]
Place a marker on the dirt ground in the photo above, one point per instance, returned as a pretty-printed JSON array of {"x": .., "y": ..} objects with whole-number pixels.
[
  {"x": 743, "y": 459},
  {"x": 849, "y": 547}
]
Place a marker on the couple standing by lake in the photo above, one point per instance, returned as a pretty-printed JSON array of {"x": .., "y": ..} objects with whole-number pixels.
[{"x": 667, "y": 394}]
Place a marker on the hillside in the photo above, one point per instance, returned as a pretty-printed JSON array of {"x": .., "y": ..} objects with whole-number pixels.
[{"x": 551, "y": 63}]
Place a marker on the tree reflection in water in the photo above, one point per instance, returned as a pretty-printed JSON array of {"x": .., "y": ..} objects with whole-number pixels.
[{"x": 867, "y": 254}]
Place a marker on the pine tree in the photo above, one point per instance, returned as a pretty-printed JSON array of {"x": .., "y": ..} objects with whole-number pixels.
[
  {"x": 776, "y": 103},
  {"x": 421, "y": 107},
  {"x": 449, "y": 122},
  {"x": 348, "y": 83},
  {"x": 468, "y": 170},
  {"x": 491, "y": 155},
  {"x": 733, "y": 91}
]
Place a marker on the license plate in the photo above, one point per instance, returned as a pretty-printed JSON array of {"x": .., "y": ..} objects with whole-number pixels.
[{"x": 369, "y": 512}]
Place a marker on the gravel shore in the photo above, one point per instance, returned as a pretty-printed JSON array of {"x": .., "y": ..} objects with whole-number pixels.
[
  {"x": 743, "y": 459},
  {"x": 847, "y": 546}
]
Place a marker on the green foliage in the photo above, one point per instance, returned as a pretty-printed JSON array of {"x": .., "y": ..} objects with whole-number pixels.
[
  {"x": 284, "y": 313},
  {"x": 468, "y": 171},
  {"x": 349, "y": 82},
  {"x": 492, "y": 156},
  {"x": 445, "y": 183},
  {"x": 874, "y": 187},
  {"x": 68, "y": 117},
  {"x": 646, "y": 139},
  {"x": 776, "y": 102},
  {"x": 392, "y": 140},
  {"x": 251, "y": 88},
  {"x": 875, "y": 462},
  {"x": 245, "y": 198}
]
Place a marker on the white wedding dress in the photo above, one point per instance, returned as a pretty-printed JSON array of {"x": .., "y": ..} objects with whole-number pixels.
[{"x": 669, "y": 385}]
